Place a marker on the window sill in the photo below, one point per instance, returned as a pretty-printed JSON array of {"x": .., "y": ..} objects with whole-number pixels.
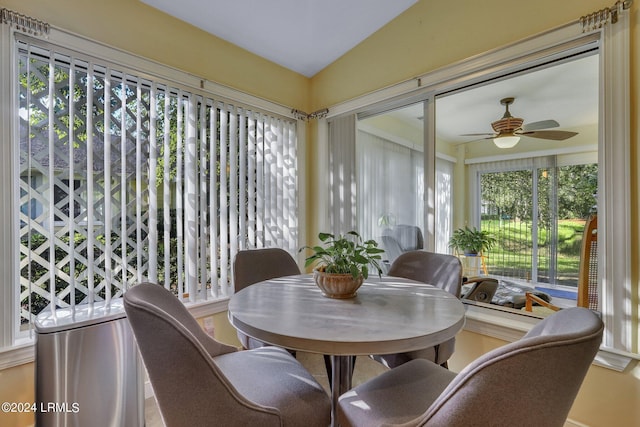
[
  {"x": 510, "y": 325},
  {"x": 17, "y": 355},
  {"x": 24, "y": 352}
]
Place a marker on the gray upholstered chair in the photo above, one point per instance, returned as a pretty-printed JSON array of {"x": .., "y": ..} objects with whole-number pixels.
[
  {"x": 409, "y": 237},
  {"x": 392, "y": 248},
  {"x": 480, "y": 289},
  {"x": 530, "y": 382},
  {"x": 255, "y": 265},
  {"x": 199, "y": 381},
  {"x": 441, "y": 270}
]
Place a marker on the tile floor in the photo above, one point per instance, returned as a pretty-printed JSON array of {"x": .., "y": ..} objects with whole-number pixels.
[{"x": 365, "y": 369}]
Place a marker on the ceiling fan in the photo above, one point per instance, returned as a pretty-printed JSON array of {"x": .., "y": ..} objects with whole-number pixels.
[{"x": 509, "y": 129}]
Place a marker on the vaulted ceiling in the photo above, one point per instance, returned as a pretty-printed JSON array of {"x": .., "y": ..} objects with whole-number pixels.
[{"x": 302, "y": 35}]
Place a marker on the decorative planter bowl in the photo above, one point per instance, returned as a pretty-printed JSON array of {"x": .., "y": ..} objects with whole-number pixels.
[{"x": 335, "y": 285}]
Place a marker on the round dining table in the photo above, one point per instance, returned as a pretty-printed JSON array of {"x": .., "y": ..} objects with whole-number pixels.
[{"x": 387, "y": 315}]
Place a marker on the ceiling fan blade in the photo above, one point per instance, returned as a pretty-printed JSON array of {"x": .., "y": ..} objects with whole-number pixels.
[
  {"x": 554, "y": 135},
  {"x": 543, "y": 124},
  {"x": 479, "y": 134}
]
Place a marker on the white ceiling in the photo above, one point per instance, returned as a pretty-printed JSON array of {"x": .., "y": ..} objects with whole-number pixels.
[
  {"x": 566, "y": 92},
  {"x": 302, "y": 35}
]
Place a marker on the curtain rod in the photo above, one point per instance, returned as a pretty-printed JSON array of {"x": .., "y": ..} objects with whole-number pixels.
[
  {"x": 596, "y": 20},
  {"x": 24, "y": 23}
]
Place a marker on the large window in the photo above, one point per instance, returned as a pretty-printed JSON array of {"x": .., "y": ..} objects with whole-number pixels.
[
  {"x": 604, "y": 145},
  {"x": 123, "y": 177},
  {"x": 535, "y": 196},
  {"x": 390, "y": 179}
]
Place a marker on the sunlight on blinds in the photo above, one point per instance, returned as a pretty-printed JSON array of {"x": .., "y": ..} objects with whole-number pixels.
[{"x": 124, "y": 179}]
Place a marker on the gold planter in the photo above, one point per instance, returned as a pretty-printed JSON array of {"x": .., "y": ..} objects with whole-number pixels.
[{"x": 335, "y": 285}]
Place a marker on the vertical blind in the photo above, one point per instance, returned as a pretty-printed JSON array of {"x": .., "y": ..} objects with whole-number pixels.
[
  {"x": 342, "y": 182},
  {"x": 124, "y": 178},
  {"x": 390, "y": 182}
]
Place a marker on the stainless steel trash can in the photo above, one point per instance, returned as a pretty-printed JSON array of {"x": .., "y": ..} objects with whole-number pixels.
[{"x": 88, "y": 372}]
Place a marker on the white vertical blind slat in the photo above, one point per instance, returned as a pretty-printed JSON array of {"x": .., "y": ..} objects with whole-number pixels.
[
  {"x": 260, "y": 183},
  {"x": 108, "y": 252},
  {"x": 269, "y": 187},
  {"x": 251, "y": 178},
  {"x": 51, "y": 182},
  {"x": 90, "y": 188},
  {"x": 291, "y": 188},
  {"x": 276, "y": 201},
  {"x": 123, "y": 186},
  {"x": 280, "y": 212},
  {"x": 190, "y": 203},
  {"x": 224, "y": 206},
  {"x": 72, "y": 193},
  {"x": 213, "y": 197},
  {"x": 166, "y": 190},
  {"x": 138, "y": 197},
  {"x": 242, "y": 184},
  {"x": 233, "y": 182},
  {"x": 152, "y": 187},
  {"x": 204, "y": 226},
  {"x": 180, "y": 193}
]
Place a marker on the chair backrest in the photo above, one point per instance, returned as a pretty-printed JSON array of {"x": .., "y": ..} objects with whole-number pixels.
[
  {"x": 409, "y": 237},
  {"x": 177, "y": 354},
  {"x": 255, "y": 265},
  {"x": 588, "y": 274},
  {"x": 482, "y": 290},
  {"x": 530, "y": 382},
  {"x": 391, "y": 247},
  {"x": 441, "y": 270}
]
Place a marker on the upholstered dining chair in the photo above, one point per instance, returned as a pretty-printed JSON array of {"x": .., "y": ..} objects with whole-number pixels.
[
  {"x": 199, "y": 381},
  {"x": 540, "y": 375},
  {"x": 255, "y": 265},
  {"x": 392, "y": 248},
  {"x": 441, "y": 270},
  {"x": 409, "y": 237}
]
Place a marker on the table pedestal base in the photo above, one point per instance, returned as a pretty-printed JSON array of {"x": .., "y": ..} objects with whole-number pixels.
[{"x": 341, "y": 373}]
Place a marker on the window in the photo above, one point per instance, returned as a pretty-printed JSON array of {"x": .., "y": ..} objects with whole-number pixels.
[
  {"x": 536, "y": 196},
  {"x": 120, "y": 177},
  {"x": 538, "y": 215},
  {"x": 390, "y": 178}
]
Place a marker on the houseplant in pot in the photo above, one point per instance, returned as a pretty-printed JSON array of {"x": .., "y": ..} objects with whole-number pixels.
[
  {"x": 342, "y": 263},
  {"x": 471, "y": 241}
]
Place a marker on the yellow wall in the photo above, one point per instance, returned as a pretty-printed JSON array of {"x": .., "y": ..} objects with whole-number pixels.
[
  {"x": 428, "y": 36},
  {"x": 17, "y": 385}
]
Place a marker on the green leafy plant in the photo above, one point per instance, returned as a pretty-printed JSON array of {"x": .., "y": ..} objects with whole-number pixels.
[
  {"x": 471, "y": 240},
  {"x": 345, "y": 254}
]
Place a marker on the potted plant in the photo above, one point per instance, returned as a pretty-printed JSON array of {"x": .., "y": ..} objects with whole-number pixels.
[
  {"x": 342, "y": 263},
  {"x": 471, "y": 241}
]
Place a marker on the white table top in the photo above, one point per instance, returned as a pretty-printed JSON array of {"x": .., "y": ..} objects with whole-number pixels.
[{"x": 388, "y": 315}]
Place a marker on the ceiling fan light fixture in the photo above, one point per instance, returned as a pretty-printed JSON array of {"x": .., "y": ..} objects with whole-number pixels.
[{"x": 506, "y": 141}]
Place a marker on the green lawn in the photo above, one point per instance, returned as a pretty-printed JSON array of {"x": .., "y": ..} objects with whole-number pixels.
[{"x": 512, "y": 255}]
